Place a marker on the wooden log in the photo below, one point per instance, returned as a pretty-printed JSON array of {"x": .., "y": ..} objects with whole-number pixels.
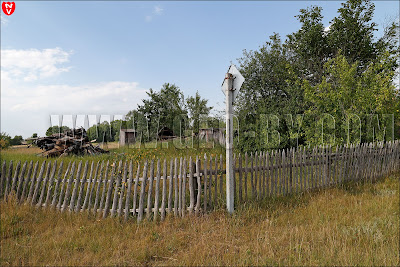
[
  {"x": 51, "y": 184},
  {"x": 307, "y": 168},
  {"x": 135, "y": 188},
  {"x": 116, "y": 189},
  {"x": 339, "y": 164},
  {"x": 170, "y": 186},
  {"x": 301, "y": 171},
  {"x": 102, "y": 180},
  {"x": 234, "y": 179},
  {"x": 157, "y": 191},
  {"x": 164, "y": 190},
  {"x": 92, "y": 185},
  {"x": 109, "y": 191},
  {"x": 280, "y": 171},
  {"x": 75, "y": 190},
  {"x": 221, "y": 180},
  {"x": 9, "y": 179},
  {"x": 122, "y": 193},
  {"x": 180, "y": 187},
  {"x": 14, "y": 180},
  {"x": 77, "y": 207},
  {"x": 311, "y": 162},
  {"x": 191, "y": 189},
  {"x": 215, "y": 181},
  {"x": 3, "y": 179},
  {"x": 259, "y": 175},
  {"x": 104, "y": 188},
  {"x": 273, "y": 173},
  {"x": 283, "y": 173},
  {"x": 69, "y": 185},
  {"x": 21, "y": 180},
  {"x": 38, "y": 183},
  {"x": 264, "y": 181},
  {"x": 253, "y": 193},
  {"x": 86, "y": 201},
  {"x": 268, "y": 176},
  {"x": 184, "y": 188},
  {"x": 150, "y": 191},
  {"x": 205, "y": 183},
  {"x": 39, "y": 204},
  {"x": 255, "y": 174},
  {"x": 245, "y": 175},
  {"x": 128, "y": 192},
  {"x": 210, "y": 182},
  {"x": 60, "y": 197},
  {"x": 240, "y": 179},
  {"x": 27, "y": 180},
  {"x": 59, "y": 176},
  {"x": 176, "y": 199},
  {"x": 198, "y": 205},
  {"x": 142, "y": 192}
]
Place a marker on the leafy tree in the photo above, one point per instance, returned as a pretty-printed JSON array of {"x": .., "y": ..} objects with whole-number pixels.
[
  {"x": 165, "y": 108},
  {"x": 197, "y": 109},
  {"x": 352, "y": 32},
  {"x": 272, "y": 87},
  {"x": 34, "y": 135},
  {"x": 344, "y": 93},
  {"x": 17, "y": 140},
  {"x": 5, "y": 140},
  {"x": 310, "y": 59},
  {"x": 56, "y": 129},
  {"x": 307, "y": 48}
]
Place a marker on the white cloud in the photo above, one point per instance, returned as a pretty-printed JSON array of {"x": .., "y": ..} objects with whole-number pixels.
[
  {"x": 107, "y": 96},
  {"x": 33, "y": 64},
  {"x": 27, "y": 100},
  {"x": 158, "y": 10},
  {"x": 25, "y": 110},
  {"x": 4, "y": 20},
  {"x": 148, "y": 18}
]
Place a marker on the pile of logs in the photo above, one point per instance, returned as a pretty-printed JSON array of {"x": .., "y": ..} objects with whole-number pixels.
[{"x": 71, "y": 142}]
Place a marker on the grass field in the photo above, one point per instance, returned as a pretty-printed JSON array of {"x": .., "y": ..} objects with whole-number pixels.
[
  {"x": 355, "y": 224},
  {"x": 161, "y": 150}
]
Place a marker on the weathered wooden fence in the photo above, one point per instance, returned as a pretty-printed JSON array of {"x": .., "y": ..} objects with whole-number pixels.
[{"x": 183, "y": 186}]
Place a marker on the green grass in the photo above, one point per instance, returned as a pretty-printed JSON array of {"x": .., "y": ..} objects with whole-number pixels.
[
  {"x": 354, "y": 224},
  {"x": 164, "y": 150}
]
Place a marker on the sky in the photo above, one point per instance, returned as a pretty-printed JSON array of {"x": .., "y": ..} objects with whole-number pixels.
[{"x": 97, "y": 59}]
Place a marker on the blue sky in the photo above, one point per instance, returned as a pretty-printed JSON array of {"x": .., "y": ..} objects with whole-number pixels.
[{"x": 99, "y": 58}]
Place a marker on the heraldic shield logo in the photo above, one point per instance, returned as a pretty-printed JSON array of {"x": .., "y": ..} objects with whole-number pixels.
[{"x": 8, "y": 8}]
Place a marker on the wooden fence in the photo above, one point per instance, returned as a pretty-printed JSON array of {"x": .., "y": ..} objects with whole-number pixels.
[{"x": 156, "y": 189}]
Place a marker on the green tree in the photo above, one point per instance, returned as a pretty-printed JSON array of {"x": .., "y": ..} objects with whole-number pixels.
[
  {"x": 344, "y": 93},
  {"x": 308, "y": 49},
  {"x": 17, "y": 140},
  {"x": 277, "y": 74},
  {"x": 272, "y": 87},
  {"x": 56, "y": 129},
  {"x": 198, "y": 110},
  {"x": 165, "y": 108},
  {"x": 5, "y": 140}
]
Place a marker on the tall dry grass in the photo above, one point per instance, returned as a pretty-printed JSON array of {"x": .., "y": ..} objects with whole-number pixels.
[{"x": 356, "y": 224}]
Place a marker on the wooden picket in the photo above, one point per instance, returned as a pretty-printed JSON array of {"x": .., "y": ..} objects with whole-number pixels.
[{"x": 191, "y": 185}]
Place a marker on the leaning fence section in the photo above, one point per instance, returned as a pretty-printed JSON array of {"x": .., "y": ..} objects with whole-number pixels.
[{"x": 155, "y": 189}]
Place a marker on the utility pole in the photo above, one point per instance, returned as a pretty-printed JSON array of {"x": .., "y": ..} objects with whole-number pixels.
[
  {"x": 230, "y": 87},
  {"x": 230, "y": 191}
]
